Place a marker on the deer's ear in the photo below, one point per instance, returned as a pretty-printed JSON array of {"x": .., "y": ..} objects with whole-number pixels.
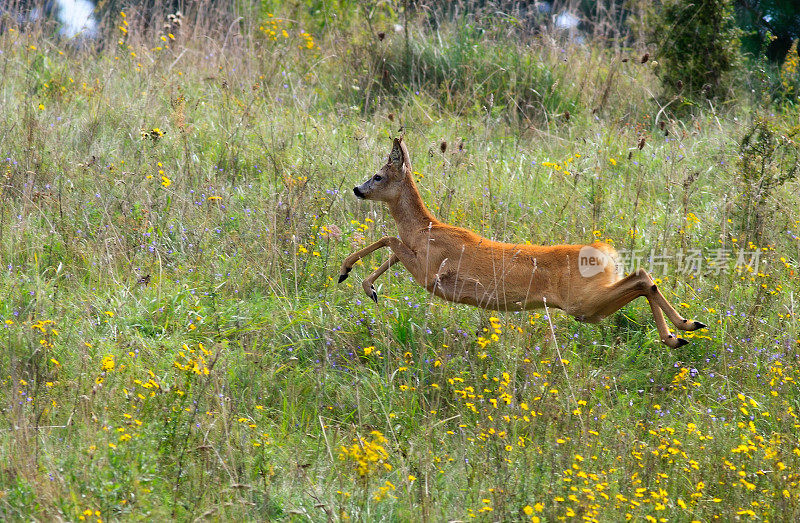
[{"x": 397, "y": 156}]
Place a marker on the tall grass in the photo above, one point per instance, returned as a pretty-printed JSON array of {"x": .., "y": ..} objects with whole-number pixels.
[{"x": 172, "y": 219}]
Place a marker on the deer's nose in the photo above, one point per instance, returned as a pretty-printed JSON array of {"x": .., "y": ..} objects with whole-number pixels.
[{"x": 358, "y": 192}]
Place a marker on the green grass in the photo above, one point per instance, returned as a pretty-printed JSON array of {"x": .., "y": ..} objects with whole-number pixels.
[{"x": 177, "y": 347}]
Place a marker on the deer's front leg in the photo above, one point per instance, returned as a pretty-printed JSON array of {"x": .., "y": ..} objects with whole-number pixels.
[
  {"x": 347, "y": 264},
  {"x": 367, "y": 284}
]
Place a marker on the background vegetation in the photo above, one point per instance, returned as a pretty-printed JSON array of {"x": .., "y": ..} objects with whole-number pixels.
[{"x": 175, "y": 203}]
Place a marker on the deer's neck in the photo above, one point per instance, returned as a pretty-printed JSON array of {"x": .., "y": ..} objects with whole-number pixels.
[{"x": 410, "y": 213}]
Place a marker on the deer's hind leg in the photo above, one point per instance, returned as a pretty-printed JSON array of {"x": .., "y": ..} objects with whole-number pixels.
[
  {"x": 635, "y": 285},
  {"x": 674, "y": 316}
]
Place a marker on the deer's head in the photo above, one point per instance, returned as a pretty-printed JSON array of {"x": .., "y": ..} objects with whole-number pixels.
[{"x": 391, "y": 180}]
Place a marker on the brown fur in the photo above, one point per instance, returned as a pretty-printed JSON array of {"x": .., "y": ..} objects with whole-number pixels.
[{"x": 458, "y": 265}]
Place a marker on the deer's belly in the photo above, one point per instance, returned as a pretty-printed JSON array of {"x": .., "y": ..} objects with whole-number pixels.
[{"x": 488, "y": 295}]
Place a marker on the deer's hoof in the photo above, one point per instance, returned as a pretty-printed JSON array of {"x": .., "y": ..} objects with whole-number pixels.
[
  {"x": 373, "y": 294},
  {"x": 673, "y": 342},
  {"x": 699, "y": 325}
]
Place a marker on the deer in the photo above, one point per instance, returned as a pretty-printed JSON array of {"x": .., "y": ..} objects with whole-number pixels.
[{"x": 460, "y": 266}]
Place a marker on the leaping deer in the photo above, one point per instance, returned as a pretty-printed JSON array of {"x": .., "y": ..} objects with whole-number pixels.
[{"x": 460, "y": 266}]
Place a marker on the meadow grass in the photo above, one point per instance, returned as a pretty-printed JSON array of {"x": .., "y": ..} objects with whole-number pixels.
[{"x": 173, "y": 214}]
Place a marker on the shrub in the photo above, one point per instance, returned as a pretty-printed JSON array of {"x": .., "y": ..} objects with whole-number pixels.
[
  {"x": 790, "y": 74},
  {"x": 698, "y": 46}
]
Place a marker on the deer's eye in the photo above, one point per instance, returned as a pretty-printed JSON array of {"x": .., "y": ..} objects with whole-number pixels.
[{"x": 378, "y": 178}]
